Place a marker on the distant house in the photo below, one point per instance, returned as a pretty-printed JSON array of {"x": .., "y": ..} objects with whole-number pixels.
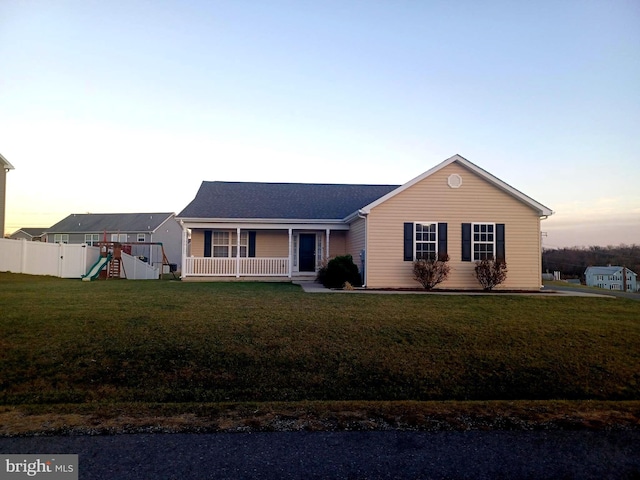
[
  {"x": 30, "y": 234},
  {"x": 91, "y": 228},
  {"x": 611, "y": 278},
  {"x": 5, "y": 166},
  {"x": 289, "y": 230}
]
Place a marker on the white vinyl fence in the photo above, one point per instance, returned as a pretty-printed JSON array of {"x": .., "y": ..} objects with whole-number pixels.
[
  {"x": 136, "y": 269},
  {"x": 62, "y": 260}
]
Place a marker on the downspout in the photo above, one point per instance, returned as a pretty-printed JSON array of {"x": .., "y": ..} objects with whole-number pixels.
[
  {"x": 543, "y": 217},
  {"x": 364, "y": 252}
]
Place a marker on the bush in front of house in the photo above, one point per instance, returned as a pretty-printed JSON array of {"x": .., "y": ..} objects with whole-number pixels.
[
  {"x": 339, "y": 270},
  {"x": 491, "y": 272},
  {"x": 430, "y": 272}
]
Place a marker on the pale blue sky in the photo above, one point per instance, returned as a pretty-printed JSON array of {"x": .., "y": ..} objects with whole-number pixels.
[{"x": 126, "y": 106}]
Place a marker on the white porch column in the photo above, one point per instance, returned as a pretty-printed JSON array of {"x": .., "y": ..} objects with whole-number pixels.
[
  {"x": 326, "y": 254},
  {"x": 238, "y": 252},
  {"x": 291, "y": 253},
  {"x": 185, "y": 240}
]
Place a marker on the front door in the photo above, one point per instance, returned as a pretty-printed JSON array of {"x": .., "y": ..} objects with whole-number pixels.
[{"x": 307, "y": 252}]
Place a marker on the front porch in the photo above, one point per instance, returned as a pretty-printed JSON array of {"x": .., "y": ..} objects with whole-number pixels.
[{"x": 259, "y": 252}]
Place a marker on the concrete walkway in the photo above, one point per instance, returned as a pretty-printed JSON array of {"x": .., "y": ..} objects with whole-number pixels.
[{"x": 315, "y": 287}]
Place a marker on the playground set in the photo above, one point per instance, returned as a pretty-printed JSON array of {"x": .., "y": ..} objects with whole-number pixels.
[{"x": 110, "y": 264}]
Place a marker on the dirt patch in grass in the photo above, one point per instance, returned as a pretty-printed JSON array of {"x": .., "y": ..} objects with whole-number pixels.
[{"x": 317, "y": 416}]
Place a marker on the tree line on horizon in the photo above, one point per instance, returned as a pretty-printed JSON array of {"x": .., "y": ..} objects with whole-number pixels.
[{"x": 573, "y": 261}]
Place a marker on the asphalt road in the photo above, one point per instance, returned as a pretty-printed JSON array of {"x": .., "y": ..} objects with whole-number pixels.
[{"x": 348, "y": 455}]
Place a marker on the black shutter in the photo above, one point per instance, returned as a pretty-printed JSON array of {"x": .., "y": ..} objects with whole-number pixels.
[
  {"x": 500, "y": 247},
  {"x": 408, "y": 242},
  {"x": 207, "y": 243},
  {"x": 252, "y": 244},
  {"x": 442, "y": 240},
  {"x": 466, "y": 242}
]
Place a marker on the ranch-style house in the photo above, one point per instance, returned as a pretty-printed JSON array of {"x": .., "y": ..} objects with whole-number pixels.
[{"x": 285, "y": 231}]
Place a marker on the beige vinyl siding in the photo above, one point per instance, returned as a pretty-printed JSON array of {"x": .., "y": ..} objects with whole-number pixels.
[
  {"x": 357, "y": 237},
  {"x": 337, "y": 243},
  {"x": 272, "y": 243},
  {"x": 432, "y": 200},
  {"x": 197, "y": 243}
]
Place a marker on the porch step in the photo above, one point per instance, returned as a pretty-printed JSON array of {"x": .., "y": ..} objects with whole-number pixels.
[{"x": 304, "y": 278}]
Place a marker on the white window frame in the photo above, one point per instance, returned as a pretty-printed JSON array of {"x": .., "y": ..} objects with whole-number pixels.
[
  {"x": 141, "y": 237},
  {"x": 119, "y": 237},
  {"x": 60, "y": 238},
  {"x": 227, "y": 241},
  {"x": 481, "y": 255},
  {"x": 433, "y": 240},
  {"x": 91, "y": 238}
]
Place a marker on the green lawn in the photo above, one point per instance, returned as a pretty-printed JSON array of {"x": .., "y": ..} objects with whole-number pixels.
[{"x": 136, "y": 343}]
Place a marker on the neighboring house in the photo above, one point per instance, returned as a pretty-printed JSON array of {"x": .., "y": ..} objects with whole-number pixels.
[
  {"x": 91, "y": 228},
  {"x": 5, "y": 166},
  {"x": 31, "y": 234},
  {"x": 288, "y": 230},
  {"x": 611, "y": 278}
]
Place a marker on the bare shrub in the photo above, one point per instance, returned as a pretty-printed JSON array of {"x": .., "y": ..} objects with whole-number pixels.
[
  {"x": 431, "y": 272},
  {"x": 491, "y": 272}
]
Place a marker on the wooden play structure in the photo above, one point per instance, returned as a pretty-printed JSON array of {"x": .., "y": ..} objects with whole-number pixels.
[{"x": 111, "y": 266}]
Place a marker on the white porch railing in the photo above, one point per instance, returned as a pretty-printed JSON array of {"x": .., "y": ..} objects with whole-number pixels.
[{"x": 231, "y": 267}]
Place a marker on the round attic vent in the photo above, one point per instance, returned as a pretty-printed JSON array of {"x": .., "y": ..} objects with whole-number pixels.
[{"x": 454, "y": 180}]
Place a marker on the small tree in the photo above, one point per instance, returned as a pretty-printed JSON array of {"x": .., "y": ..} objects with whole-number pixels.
[
  {"x": 430, "y": 272},
  {"x": 491, "y": 272}
]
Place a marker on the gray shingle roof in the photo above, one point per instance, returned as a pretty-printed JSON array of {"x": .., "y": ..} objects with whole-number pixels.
[
  {"x": 33, "y": 232},
  {"x": 611, "y": 270},
  {"x": 281, "y": 200},
  {"x": 111, "y": 222}
]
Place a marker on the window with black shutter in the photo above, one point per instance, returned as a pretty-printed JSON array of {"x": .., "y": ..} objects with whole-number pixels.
[
  {"x": 424, "y": 240},
  {"x": 482, "y": 241}
]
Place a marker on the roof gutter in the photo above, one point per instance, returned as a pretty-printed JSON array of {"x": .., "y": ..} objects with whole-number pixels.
[{"x": 260, "y": 220}]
